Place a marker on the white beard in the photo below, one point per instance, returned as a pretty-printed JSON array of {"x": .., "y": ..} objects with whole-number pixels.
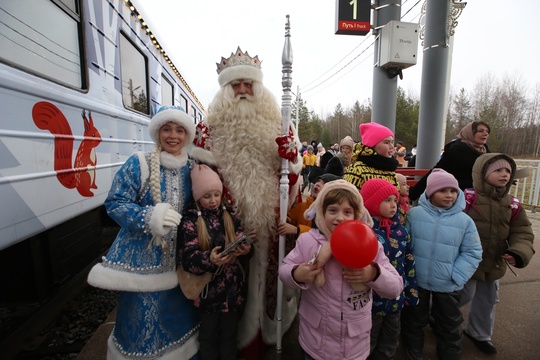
[{"x": 243, "y": 144}]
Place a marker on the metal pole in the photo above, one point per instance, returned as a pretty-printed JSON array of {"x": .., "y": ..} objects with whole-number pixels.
[
  {"x": 286, "y": 83},
  {"x": 384, "y": 88},
  {"x": 434, "y": 83}
]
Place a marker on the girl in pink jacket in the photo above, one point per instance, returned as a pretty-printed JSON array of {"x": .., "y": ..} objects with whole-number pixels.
[{"x": 335, "y": 319}]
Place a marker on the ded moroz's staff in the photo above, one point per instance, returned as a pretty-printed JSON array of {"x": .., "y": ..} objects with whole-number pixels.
[{"x": 286, "y": 105}]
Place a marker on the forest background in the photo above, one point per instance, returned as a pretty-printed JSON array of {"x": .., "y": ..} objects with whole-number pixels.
[{"x": 509, "y": 105}]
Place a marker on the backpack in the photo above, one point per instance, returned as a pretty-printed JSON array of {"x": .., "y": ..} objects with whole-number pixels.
[{"x": 470, "y": 200}]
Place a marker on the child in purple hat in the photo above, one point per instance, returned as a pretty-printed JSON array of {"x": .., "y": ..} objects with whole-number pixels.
[{"x": 447, "y": 251}]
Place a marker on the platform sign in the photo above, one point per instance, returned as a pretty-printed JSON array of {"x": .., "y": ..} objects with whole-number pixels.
[{"x": 353, "y": 17}]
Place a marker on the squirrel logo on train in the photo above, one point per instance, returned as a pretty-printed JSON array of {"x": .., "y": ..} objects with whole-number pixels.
[{"x": 81, "y": 174}]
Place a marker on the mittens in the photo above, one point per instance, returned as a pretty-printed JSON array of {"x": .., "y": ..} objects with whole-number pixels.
[
  {"x": 171, "y": 218},
  {"x": 163, "y": 219}
]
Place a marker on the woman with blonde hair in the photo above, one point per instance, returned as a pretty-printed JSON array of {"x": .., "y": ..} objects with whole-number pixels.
[{"x": 148, "y": 193}]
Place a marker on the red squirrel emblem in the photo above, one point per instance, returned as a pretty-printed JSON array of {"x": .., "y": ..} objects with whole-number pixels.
[{"x": 82, "y": 175}]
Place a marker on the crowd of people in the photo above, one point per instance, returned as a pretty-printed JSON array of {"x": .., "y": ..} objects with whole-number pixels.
[{"x": 196, "y": 260}]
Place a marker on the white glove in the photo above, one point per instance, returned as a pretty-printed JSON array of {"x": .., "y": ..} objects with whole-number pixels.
[
  {"x": 171, "y": 218},
  {"x": 163, "y": 218}
]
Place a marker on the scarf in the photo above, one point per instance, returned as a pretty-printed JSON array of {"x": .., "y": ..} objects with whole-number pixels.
[
  {"x": 466, "y": 135},
  {"x": 385, "y": 223}
]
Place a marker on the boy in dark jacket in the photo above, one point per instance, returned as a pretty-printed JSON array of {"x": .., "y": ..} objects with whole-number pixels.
[{"x": 507, "y": 239}]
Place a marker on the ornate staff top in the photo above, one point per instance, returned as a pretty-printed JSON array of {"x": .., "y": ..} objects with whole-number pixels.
[{"x": 286, "y": 80}]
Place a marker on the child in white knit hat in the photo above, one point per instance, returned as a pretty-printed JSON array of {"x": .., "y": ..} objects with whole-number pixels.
[
  {"x": 403, "y": 198},
  {"x": 447, "y": 252},
  {"x": 206, "y": 229},
  {"x": 335, "y": 313}
]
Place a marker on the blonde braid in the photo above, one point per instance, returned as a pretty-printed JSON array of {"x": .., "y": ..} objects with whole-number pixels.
[
  {"x": 202, "y": 231},
  {"x": 155, "y": 187},
  {"x": 155, "y": 183},
  {"x": 230, "y": 233}
]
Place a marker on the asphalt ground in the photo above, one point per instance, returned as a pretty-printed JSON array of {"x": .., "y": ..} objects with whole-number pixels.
[{"x": 516, "y": 334}]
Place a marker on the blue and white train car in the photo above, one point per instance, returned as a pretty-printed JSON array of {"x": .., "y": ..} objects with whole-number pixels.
[{"x": 79, "y": 82}]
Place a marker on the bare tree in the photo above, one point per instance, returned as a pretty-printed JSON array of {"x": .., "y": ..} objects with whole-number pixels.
[{"x": 461, "y": 114}]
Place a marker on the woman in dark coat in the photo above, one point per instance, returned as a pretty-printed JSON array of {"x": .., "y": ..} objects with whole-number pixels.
[{"x": 459, "y": 156}]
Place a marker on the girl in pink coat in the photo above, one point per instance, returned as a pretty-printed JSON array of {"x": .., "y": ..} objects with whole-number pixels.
[{"x": 335, "y": 311}]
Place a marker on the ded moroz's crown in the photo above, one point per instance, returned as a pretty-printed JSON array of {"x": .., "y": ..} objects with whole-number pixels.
[
  {"x": 240, "y": 58},
  {"x": 239, "y": 66}
]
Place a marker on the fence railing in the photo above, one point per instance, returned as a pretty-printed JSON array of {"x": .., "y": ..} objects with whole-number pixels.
[{"x": 527, "y": 189}]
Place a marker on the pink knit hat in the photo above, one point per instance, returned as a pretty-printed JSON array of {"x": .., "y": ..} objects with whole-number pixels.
[
  {"x": 203, "y": 180},
  {"x": 374, "y": 191},
  {"x": 440, "y": 179},
  {"x": 372, "y": 133},
  {"x": 496, "y": 165}
]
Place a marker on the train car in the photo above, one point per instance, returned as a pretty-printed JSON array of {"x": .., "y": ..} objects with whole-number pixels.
[{"x": 79, "y": 82}]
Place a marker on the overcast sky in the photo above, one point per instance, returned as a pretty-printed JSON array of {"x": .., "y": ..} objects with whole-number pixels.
[{"x": 496, "y": 37}]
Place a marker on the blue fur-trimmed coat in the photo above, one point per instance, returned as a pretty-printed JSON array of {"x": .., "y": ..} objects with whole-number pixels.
[
  {"x": 134, "y": 262},
  {"x": 398, "y": 249},
  {"x": 154, "y": 319}
]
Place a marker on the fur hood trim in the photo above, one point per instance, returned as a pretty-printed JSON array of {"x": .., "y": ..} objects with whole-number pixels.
[
  {"x": 110, "y": 279},
  {"x": 169, "y": 161},
  {"x": 316, "y": 209},
  {"x": 202, "y": 156}
]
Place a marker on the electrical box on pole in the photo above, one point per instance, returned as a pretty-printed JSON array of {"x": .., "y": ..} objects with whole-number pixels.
[{"x": 398, "y": 45}]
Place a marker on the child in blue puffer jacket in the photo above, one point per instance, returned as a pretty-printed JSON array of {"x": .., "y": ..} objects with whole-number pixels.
[{"x": 447, "y": 251}]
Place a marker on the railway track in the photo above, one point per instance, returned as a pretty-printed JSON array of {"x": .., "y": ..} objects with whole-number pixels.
[
  {"x": 57, "y": 327},
  {"x": 67, "y": 334}
]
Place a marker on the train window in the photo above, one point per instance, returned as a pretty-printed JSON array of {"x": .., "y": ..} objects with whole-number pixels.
[
  {"x": 183, "y": 102},
  {"x": 167, "y": 91},
  {"x": 43, "y": 39},
  {"x": 194, "y": 114},
  {"x": 134, "y": 84},
  {"x": 71, "y": 4}
]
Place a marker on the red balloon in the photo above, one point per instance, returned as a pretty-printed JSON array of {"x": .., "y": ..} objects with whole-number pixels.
[{"x": 354, "y": 244}]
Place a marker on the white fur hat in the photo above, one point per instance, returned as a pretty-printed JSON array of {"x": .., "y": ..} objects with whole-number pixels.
[
  {"x": 175, "y": 114},
  {"x": 239, "y": 66}
]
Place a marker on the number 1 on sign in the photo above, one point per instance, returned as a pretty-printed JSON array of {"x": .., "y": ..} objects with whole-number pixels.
[{"x": 354, "y": 3}]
